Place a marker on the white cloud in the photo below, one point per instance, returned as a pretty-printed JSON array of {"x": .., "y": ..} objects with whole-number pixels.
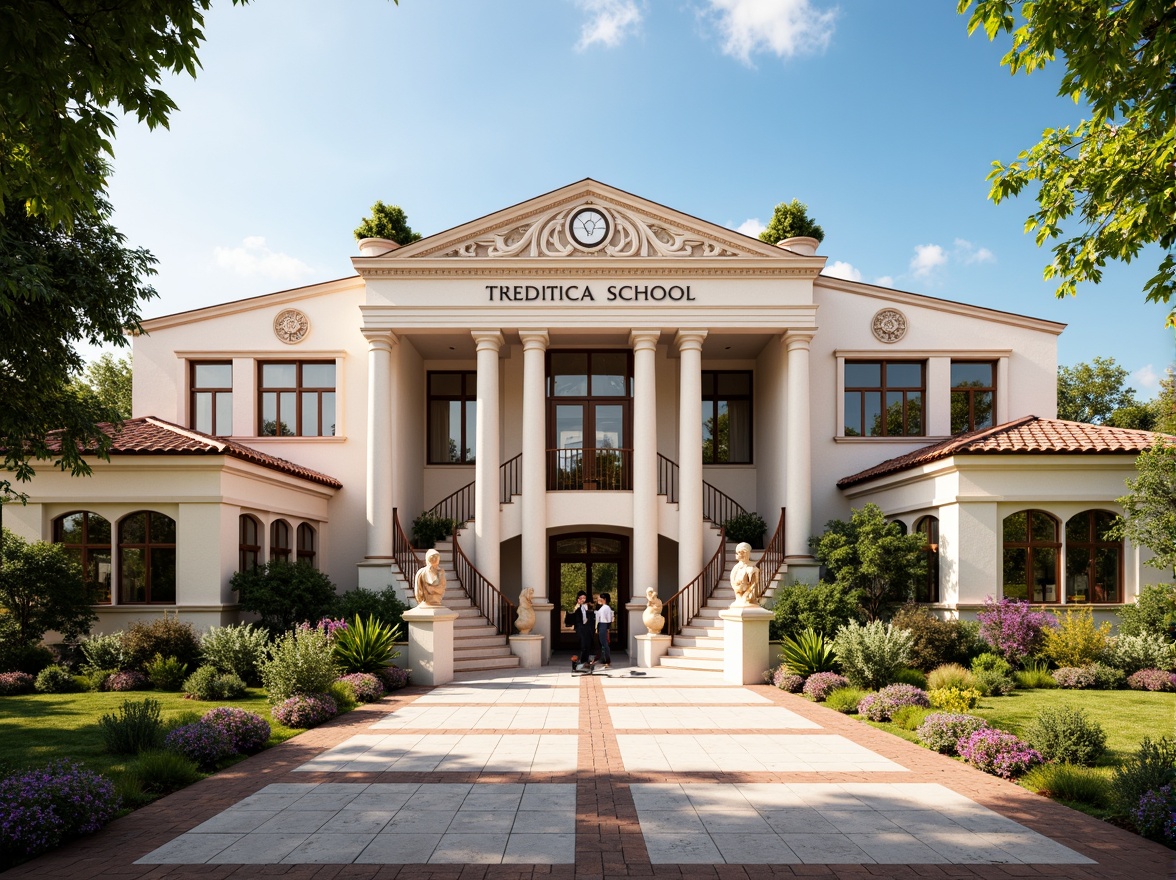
[
  {"x": 842, "y": 269},
  {"x": 1147, "y": 379},
  {"x": 781, "y": 27},
  {"x": 927, "y": 258},
  {"x": 610, "y": 22},
  {"x": 751, "y": 226},
  {"x": 254, "y": 260},
  {"x": 884, "y": 281},
  {"x": 969, "y": 253}
]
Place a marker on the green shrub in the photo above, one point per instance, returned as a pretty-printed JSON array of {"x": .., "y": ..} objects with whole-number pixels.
[
  {"x": 909, "y": 717},
  {"x": 300, "y": 663},
  {"x": 161, "y": 772},
  {"x": 95, "y": 679},
  {"x": 910, "y": 676},
  {"x": 1151, "y": 767},
  {"x": 1065, "y": 782},
  {"x": 31, "y": 659},
  {"x": 989, "y": 662},
  {"x": 1035, "y": 675},
  {"x": 130, "y": 791},
  {"x": 181, "y": 719},
  {"x": 748, "y": 526},
  {"x": 1144, "y": 651},
  {"x": 954, "y": 700},
  {"x": 166, "y": 636},
  {"x": 845, "y": 699},
  {"x": 41, "y": 589},
  {"x": 428, "y": 529},
  {"x": 55, "y": 680},
  {"x": 992, "y": 683},
  {"x": 105, "y": 652},
  {"x": 1076, "y": 641},
  {"x": 1153, "y": 612},
  {"x": 824, "y": 607},
  {"x": 166, "y": 673},
  {"x": 365, "y": 645},
  {"x": 1108, "y": 678},
  {"x": 209, "y": 683},
  {"x": 935, "y": 641},
  {"x": 807, "y": 653},
  {"x": 870, "y": 655},
  {"x": 284, "y": 594},
  {"x": 384, "y": 606},
  {"x": 1067, "y": 735},
  {"x": 343, "y": 694},
  {"x": 951, "y": 675},
  {"x": 239, "y": 650},
  {"x": 136, "y": 728}
]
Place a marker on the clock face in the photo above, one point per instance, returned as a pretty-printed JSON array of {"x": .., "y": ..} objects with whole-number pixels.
[{"x": 588, "y": 227}]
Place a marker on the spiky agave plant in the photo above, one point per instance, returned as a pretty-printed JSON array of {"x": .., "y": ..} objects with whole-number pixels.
[
  {"x": 807, "y": 653},
  {"x": 366, "y": 645}
]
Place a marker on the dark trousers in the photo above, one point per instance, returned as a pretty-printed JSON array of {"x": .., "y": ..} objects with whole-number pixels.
[
  {"x": 602, "y": 634},
  {"x": 584, "y": 631}
]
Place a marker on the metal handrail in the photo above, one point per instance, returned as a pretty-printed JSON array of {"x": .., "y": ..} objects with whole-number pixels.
[
  {"x": 406, "y": 557},
  {"x": 684, "y": 605},
  {"x": 717, "y": 505},
  {"x": 773, "y": 559},
  {"x": 486, "y": 597},
  {"x": 459, "y": 506},
  {"x": 510, "y": 479},
  {"x": 603, "y": 469}
]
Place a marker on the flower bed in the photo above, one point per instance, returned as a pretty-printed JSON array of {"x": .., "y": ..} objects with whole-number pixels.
[
  {"x": 998, "y": 753},
  {"x": 821, "y": 684},
  {"x": 367, "y": 687},
  {"x": 305, "y": 710},
  {"x": 943, "y": 730},
  {"x": 1152, "y": 680},
  {"x": 880, "y": 706},
  {"x": 39, "y": 809},
  {"x": 247, "y": 732}
]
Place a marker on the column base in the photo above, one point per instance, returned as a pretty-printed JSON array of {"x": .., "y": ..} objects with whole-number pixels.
[
  {"x": 529, "y": 650},
  {"x": 543, "y": 628},
  {"x": 650, "y": 649},
  {"x": 636, "y": 625},
  {"x": 375, "y": 573},
  {"x": 430, "y": 644},
  {"x": 802, "y": 569},
  {"x": 745, "y": 644}
]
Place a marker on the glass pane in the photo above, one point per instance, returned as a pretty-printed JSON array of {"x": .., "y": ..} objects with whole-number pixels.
[
  {"x": 1078, "y": 529},
  {"x": 569, "y": 427},
  {"x": 894, "y": 413},
  {"x": 1106, "y": 575},
  {"x": 569, "y": 373},
  {"x": 1016, "y": 527},
  {"x": 573, "y": 577},
  {"x": 133, "y": 529},
  {"x": 281, "y": 535},
  {"x": 863, "y": 375},
  {"x": 566, "y": 546},
  {"x": 961, "y": 418},
  {"x": 610, "y": 374},
  {"x": 447, "y": 384},
  {"x": 873, "y": 413},
  {"x": 269, "y": 414},
  {"x": 98, "y": 529},
  {"x": 224, "y": 414},
  {"x": 69, "y": 529},
  {"x": 609, "y": 425},
  {"x": 99, "y": 577},
  {"x": 853, "y": 413},
  {"x": 305, "y": 538},
  {"x": 1044, "y": 526},
  {"x": 202, "y": 417},
  {"x": 310, "y": 425},
  {"x": 1103, "y": 523},
  {"x": 134, "y": 575},
  {"x": 163, "y": 529},
  {"x": 604, "y": 579},
  {"x": 1077, "y": 574},
  {"x": 248, "y": 530},
  {"x": 734, "y": 384},
  {"x": 904, "y": 375},
  {"x": 318, "y": 375},
  {"x": 982, "y": 409},
  {"x": 606, "y": 546},
  {"x": 1016, "y": 560},
  {"x": 739, "y": 431},
  {"x": 213, "y": 376},
  {"x": 163, "y": 575},
  {"x": 471, "y": 434},
  {"x": 966, "y": 375},
  {"x": 914, "y": 414},
  {"x": 1045, "y": 574},
  {"x": 708, "y": 425},
  {"x": 288, "y": 413},
  {"x": 279, "y": 375}
]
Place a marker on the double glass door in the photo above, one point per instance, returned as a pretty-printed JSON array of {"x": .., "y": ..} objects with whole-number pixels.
[
  {"x": 590, "y": 398},
  {"x": 594, "y": 563}
]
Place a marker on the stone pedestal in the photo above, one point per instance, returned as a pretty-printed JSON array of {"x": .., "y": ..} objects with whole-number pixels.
[
  {"x": 745, "y": 644},
  {"x": 542, "y": 628},
  {"x": 430, "y": 644},
  {"x": 636, "y": 626},
  {"x": 529, "y": 649},
  {"x": 650, "y": 649}
]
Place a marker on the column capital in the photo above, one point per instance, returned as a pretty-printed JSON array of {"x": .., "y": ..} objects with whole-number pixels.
[
  {"x": 534, "y": 339},
  {"x": 799, "y": 338},
  {"x": 644, "y": 340},
  {"x": 690, "y": 340},
  {"x": 487, "y": 340},
  {"x": 380, "y": 339}
]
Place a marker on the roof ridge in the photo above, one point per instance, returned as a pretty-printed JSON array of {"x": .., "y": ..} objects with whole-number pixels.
[{"x": 219, "y": 445}]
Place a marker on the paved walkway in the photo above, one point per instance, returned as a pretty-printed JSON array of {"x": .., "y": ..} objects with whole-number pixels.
[{"x": 528, "y": 773}]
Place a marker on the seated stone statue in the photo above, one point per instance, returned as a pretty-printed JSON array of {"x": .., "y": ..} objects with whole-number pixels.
[{"x": 429, "y": 586}]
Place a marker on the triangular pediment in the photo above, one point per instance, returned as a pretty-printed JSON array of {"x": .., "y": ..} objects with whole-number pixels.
[{"x": 546, "y": 228}]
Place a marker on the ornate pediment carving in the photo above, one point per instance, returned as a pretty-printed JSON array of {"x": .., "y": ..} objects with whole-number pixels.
[{"x": 629, "y": 235}]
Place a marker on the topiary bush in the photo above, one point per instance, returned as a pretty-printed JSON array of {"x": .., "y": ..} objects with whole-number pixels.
[
  {"x": 845, "y": 700},
  {"x": 366, "y": 687},
  {"x": 953, "y": 699},
  {"x": 1143, "y": 651},
  {"x": 870, "y": 655},
  {"x": 164, "y": 636},
  {"x": 951, "y": 675},
  {"x": 785, "y": 679},
  {"x": 124, "y": 680},
  {"x": 135, "y": 728},
  {"x": 305, "y": 710},
  {"x": 998, "y": 753},
  {"x": 55, "y": 680},
  {"x": 1067, "y": 735},
  {"x": 301, "y": 662},
  {"x": 43, "y": 808},
  {"x": 239, "y": 650},
  {"x": 284, "y": 594},
  {"x": 1152, "y": 680},
  {"x": 203, "y": 744},
  {"x": 818, "y": 687},
  {"x": 15, "y": 683},
  {"x": 166, "y": 673},
  {"x": 1151, "y": 768},
  {"x": 807, "y": 653},
  {"x": 942, "y": 731},
  {"x": 1066, "y": 782},
  {"x": 247, "y": 732},
  {"x": 209, "y": 683},
  {"x": 882, "y": 705}
]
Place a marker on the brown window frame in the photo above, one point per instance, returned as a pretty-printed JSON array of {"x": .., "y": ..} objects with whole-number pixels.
[
  {"x": 215, "y": 391},
  {"x": 716, "y": 397},
  {"x": 928, "y": 590},
  {"x": 1089, "y": 550},
  {"x": 249, "y": 553},
  {"x": 970, "y": 392},
  {"x": 146, "y": 546},
  {"x": 299, "y": 390},
  {"x": 281, "y": 550},
  {"x": 307, "y": 555},
  {"x": 87, "y": 549},
  {"x": 1030, "y": 545},
  {"x": 464, "y": 398},
  {"x": 882, "y": 389}
]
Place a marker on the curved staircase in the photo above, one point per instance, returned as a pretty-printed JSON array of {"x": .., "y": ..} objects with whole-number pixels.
[{"x": 477, "y": 645}]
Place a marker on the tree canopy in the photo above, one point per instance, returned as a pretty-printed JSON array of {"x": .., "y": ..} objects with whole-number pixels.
[
  {"x": 387, "y": 221},
  {"x": 109, "y": 379},
  {"x": 789, "y": 220},
  {"x": 1096, "y": 392},
  {"x": 41, "y": 589},
  {"x": 1105, "y": 188},
  {"x": 1149, "y": 508}
]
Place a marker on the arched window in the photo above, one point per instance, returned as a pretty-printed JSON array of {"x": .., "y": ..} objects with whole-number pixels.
[
  {"x": 147, "y": 559},
  {"x": 280, "y": 546},
  {"x": 1032, "y": 556},
  {"x": 1094, "y": 559},
  {"x": 902, "y": 527},
  {"x": 928, "y": 590},
  {"x": 87, "y": 538},
  {"x": 250, "y": 541},
  {"x": 306, "y": 546}
]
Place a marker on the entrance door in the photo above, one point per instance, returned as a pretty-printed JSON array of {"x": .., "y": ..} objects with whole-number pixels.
[{"x": 596, "y": 563}]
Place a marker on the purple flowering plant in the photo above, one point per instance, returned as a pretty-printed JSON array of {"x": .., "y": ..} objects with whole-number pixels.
[
  {"x": 14, "y": 683},
  {"x": 998, "y": 753},
  {"x": 366, "y": 686},
  {"x": 1012, "y": 628},
  {"x": 125, "y": 680},
  {"x": 328, "y": 626},
  {"x": 786, "y": 680},
  {"x": 1155, "y": 815},
  {"x": 305, "y": 710},
  {"x": 39, "y": 809},
  {"x": 247, "y": 732},
  {"x": 820, "y": 684},
  {"x": 203, "y": 744},
  {"x": 882, "y": 705},
  {"x": 1152, "y": 680},
  {"x": 393, "y": 677},
  {"x": 942, "y": 731}
]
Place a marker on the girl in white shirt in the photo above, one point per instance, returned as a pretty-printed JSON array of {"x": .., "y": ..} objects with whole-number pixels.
[{"x": 604, "y": 619}]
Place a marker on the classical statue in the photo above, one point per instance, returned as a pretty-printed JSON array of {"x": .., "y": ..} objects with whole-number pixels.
[
  {"x": 745, "y": 578},
  {"x": 525, "y": 620},
  {"x": 429, "y": 586},
  {"x": 652, "y": 616}
]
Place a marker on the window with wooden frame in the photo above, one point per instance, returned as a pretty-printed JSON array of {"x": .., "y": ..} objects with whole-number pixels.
[
  {"x": 1032, "y": 556},
  {"x": 250, "y": 543},
  {"x": 726, "y": 416},
  {"x": 885, "y": 398},
  {"x": 280, "y": 546},
  {"x": 212, "y": 398},
  {"x": 928, "y": 589},
  {"x": 147, "y": 559},
  {"x": 296, "y": 399},
  {"x": 1094, "y": 558},
  {"x": 453, "y": 405},
  {"x": 973, "y": 395},
  {"x": 306, "y": 545},
  {"x": 86, "y": 537}
]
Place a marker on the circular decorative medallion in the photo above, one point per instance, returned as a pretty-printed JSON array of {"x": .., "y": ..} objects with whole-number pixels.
[
  {"x": 291, "y": 326},
  {"x": 588, "y": 228},
  {"x": 889, "y": 325}
]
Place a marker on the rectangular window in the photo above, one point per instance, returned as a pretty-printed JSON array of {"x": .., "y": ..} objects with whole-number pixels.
[
  {"x": 973, "y": 395},
  {"x": 297, "y": 399},
  {"x": 453, "y": 404},
  {"x": 212, "y": 398},
  {"x": 884, "y": 398},
  {"x": 726, "y": 417}
]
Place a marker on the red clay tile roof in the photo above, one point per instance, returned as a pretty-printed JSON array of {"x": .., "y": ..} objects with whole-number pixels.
[
  {"x": 1026, "y": 435},
  {"x": 152, "y": 436}
]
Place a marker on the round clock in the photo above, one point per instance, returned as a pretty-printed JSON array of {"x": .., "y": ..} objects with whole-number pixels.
[{"x": 588, "y": 227}]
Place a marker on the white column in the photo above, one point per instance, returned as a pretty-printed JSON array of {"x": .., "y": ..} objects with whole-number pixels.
[
  {"x": 690, "y": 528},
  {"x": 379, "y": 444},
  {"x": 487, "y": 526},
  {"x": 534, "y": 496},
  {"x": 645, "y": 564},
  {"x": 798, "y": 497}
]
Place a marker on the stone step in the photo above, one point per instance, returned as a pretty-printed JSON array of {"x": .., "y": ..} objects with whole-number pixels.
[
  {"x": 690, "y": 641},
  {"x": 473, "y": 628},
  {"x": 480, "y": 653},
  {"x": 703, "y": 632},
  {"x": 481, "y": 640},
  {"x": 701, "y": 653},
  {"x": 463, "y": 665},
  {"x": 692, "y": 663}
]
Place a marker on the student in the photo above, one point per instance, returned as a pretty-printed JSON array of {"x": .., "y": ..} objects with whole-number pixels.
[
  {"x": 604, "y": 619},
  {"x": 583, "y": 622}
]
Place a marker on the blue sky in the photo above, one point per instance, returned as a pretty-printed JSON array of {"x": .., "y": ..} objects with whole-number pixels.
[{"x": 882, "y": 117}]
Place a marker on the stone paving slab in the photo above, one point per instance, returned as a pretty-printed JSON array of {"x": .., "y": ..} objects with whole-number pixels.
[
  {"x": 706, "y": 718},
  {"x": 710, "y": 696},
  {"x": 416, "y": 717},
  {"x": 528, "y": 695},
  {"x": 727, "y": 753},
  {"x": 416, "y": 752}
]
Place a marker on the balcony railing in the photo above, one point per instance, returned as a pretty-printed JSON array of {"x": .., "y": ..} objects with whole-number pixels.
[
  {"x": 459, "y": 505},
  {"x": 609, "y": 469},
  {"x": 717, "y": 505}
]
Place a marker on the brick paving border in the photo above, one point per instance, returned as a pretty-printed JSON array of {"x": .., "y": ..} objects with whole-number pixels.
[{"x": 609, "y": 842}]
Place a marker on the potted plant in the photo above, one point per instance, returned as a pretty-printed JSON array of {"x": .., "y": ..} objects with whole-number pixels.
[{"x": 748, "y": 526}]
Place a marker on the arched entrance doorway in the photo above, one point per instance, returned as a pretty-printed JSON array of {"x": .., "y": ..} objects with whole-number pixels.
[{"x": 596, "y": 562}]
